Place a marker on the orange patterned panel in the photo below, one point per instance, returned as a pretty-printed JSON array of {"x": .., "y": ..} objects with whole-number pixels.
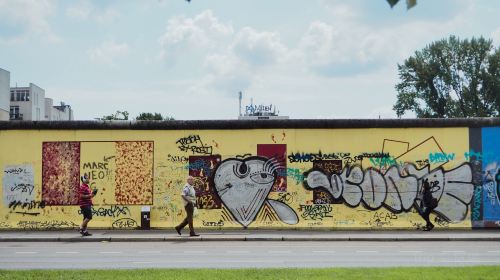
[{"x": 134, "y": 173}]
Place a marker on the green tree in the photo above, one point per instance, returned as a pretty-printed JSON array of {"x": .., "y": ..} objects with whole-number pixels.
[
  {"x": 409, "y": 3},
  {"x": 451, "y": 78},
  {"x": 152, "y": 117},
  {"x": 119, "y": 115}
]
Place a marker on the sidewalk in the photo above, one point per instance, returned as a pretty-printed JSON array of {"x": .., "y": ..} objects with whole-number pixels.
[{"x": 249, "y": 235}]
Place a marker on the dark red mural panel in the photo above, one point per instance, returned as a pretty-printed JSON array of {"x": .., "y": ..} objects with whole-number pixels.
[
  {"x": 202, "y": 168},
  {"x": 278, "y": 152},
  {"x": 60, "y": 172}
]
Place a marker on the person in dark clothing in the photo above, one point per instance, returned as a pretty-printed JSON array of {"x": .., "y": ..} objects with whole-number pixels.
[
  {"x": 497, "y": 179},
  {"x": 428, "y": 203},
  {"x": 85, "y": 195}
]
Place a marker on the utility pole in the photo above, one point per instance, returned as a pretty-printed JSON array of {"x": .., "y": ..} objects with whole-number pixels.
[{"x": 240, "y": 97}]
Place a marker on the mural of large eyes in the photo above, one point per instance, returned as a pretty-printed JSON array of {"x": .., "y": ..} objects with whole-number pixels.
[
  {"x": 262, "y": 177},
  {"x": 241, "y": 170}
]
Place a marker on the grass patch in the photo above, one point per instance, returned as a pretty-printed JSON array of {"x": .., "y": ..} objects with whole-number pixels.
[{"x": 455, "y": 273}]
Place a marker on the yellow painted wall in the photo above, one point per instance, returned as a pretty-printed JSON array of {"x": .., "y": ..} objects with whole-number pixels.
[{"x": 136, "y": 168}]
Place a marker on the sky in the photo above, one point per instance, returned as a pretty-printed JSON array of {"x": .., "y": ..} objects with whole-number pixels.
[{"x": 312, "y": 59}]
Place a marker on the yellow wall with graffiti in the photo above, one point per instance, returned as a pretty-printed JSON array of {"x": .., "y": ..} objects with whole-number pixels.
[{"x": 261, "y": 178}]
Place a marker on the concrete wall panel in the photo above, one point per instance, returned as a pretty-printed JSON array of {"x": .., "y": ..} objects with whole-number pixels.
[{"x": 328, "y": 178}]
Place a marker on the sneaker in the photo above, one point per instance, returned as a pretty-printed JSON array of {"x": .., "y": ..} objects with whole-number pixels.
[
  {"x": 429, "y": 227},
  {"x": 193, "y": 234},
  {"x": 178, "y": 230},
  {"x": 86, "y": 233},
  {"x": 81, "y": 231}
]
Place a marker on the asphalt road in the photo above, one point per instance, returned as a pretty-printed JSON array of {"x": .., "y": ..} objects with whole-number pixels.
[{"x": 246, "y": 254}]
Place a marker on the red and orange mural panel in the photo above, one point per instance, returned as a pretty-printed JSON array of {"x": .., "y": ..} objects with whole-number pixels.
[{"x": 60, "y": 172}]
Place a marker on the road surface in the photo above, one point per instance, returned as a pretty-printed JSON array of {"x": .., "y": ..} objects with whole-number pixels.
[{"x": 244, "y": 254}]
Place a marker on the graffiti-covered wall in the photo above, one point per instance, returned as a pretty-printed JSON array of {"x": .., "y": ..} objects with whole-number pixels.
[{"x": 257, "y": 176}]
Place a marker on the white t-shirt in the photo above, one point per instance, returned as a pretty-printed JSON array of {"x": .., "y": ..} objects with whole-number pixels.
[{"x": 189, "y": 192}]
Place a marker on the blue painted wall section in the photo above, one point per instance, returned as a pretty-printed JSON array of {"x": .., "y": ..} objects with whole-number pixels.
[{"x": 491, "y": 176}]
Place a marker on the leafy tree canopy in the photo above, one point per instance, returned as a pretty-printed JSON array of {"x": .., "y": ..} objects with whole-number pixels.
[
  {"x": 409, "y": 3},
  {"x": 451, "y": 78},
  {"x": 152, "y": 117},
  {"x": 119, "y": 115}
]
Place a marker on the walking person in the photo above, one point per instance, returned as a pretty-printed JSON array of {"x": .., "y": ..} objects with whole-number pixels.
[
  {"x": 189, "y": 198},
  {"x": 427, "y": 204},
  {"x": 85, "y": 195}
]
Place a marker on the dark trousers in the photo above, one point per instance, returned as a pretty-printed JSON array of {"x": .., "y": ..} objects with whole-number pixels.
[
  {"x": 425, "y": 212},
  {"x": 189, "y": 218}
]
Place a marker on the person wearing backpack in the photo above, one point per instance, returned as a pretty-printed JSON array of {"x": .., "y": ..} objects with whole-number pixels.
[{"x": 427, "y": 205}]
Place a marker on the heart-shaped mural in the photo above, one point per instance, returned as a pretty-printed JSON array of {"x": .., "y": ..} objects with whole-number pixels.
[{"x": 243, "y": 185}]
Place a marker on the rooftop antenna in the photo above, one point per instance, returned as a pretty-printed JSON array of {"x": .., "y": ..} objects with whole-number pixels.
[{"x": 240, "y": 97}]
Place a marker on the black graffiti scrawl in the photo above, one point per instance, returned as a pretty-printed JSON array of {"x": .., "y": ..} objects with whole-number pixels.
[
  {"x": 398, "y": 188},
  {"x": 243, "y": 186}
]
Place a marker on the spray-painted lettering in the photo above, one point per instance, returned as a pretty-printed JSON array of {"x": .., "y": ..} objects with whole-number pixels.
[{"x": 316, "y": 211}]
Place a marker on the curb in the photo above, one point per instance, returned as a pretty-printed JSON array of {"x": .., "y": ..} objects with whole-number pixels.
[
  {"x": 135, "y": 239},
  {"x": 250, "y": 238},
  {"x": 315, "y": 238},
  {"x": 488, "y": 238},
  {"x": 240, "y": 238}
]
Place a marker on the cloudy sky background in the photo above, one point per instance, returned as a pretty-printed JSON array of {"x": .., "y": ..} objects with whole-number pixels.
[{"x": 311, "y": 58}]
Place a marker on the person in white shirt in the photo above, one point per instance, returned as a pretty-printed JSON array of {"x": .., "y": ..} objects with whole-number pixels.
[{"x": 189, "y": 198}]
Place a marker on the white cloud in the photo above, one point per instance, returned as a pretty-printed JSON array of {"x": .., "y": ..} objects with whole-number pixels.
[
  {"x": 337, "y": 62},
  {"x": 345, "y": 45},
  {"x": 238, "y": 66},
  {"x": 258, "y": 48},
  {"x": 108, "y": 15},
  {"x": 229, "y": 57},
  {"x": 85, "y": 10},
  {"x": 108, "y": 52},
  {"x": 32, "y": 16},
  {"x": 226, "y": 73},
  {"x": 341, "y": 11},
  {"x": 203, "y": 32},
  {"x": 333, "y": 50},
  {"x": 318, "y": 43},
  {"x": 80, "y": 10}
]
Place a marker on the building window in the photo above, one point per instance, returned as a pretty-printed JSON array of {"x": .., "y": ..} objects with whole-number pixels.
[
  {"x": 20, "y": 95},
  {"x": 14, "y": 113}
]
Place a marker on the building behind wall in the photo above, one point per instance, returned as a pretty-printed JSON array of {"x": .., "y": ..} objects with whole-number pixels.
[
  {"x": 27, "y": 103},
  {"x": 261, "y": 112},
  {"x": 62, "y": 112},
  {"x": 4, "y": 94}
]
